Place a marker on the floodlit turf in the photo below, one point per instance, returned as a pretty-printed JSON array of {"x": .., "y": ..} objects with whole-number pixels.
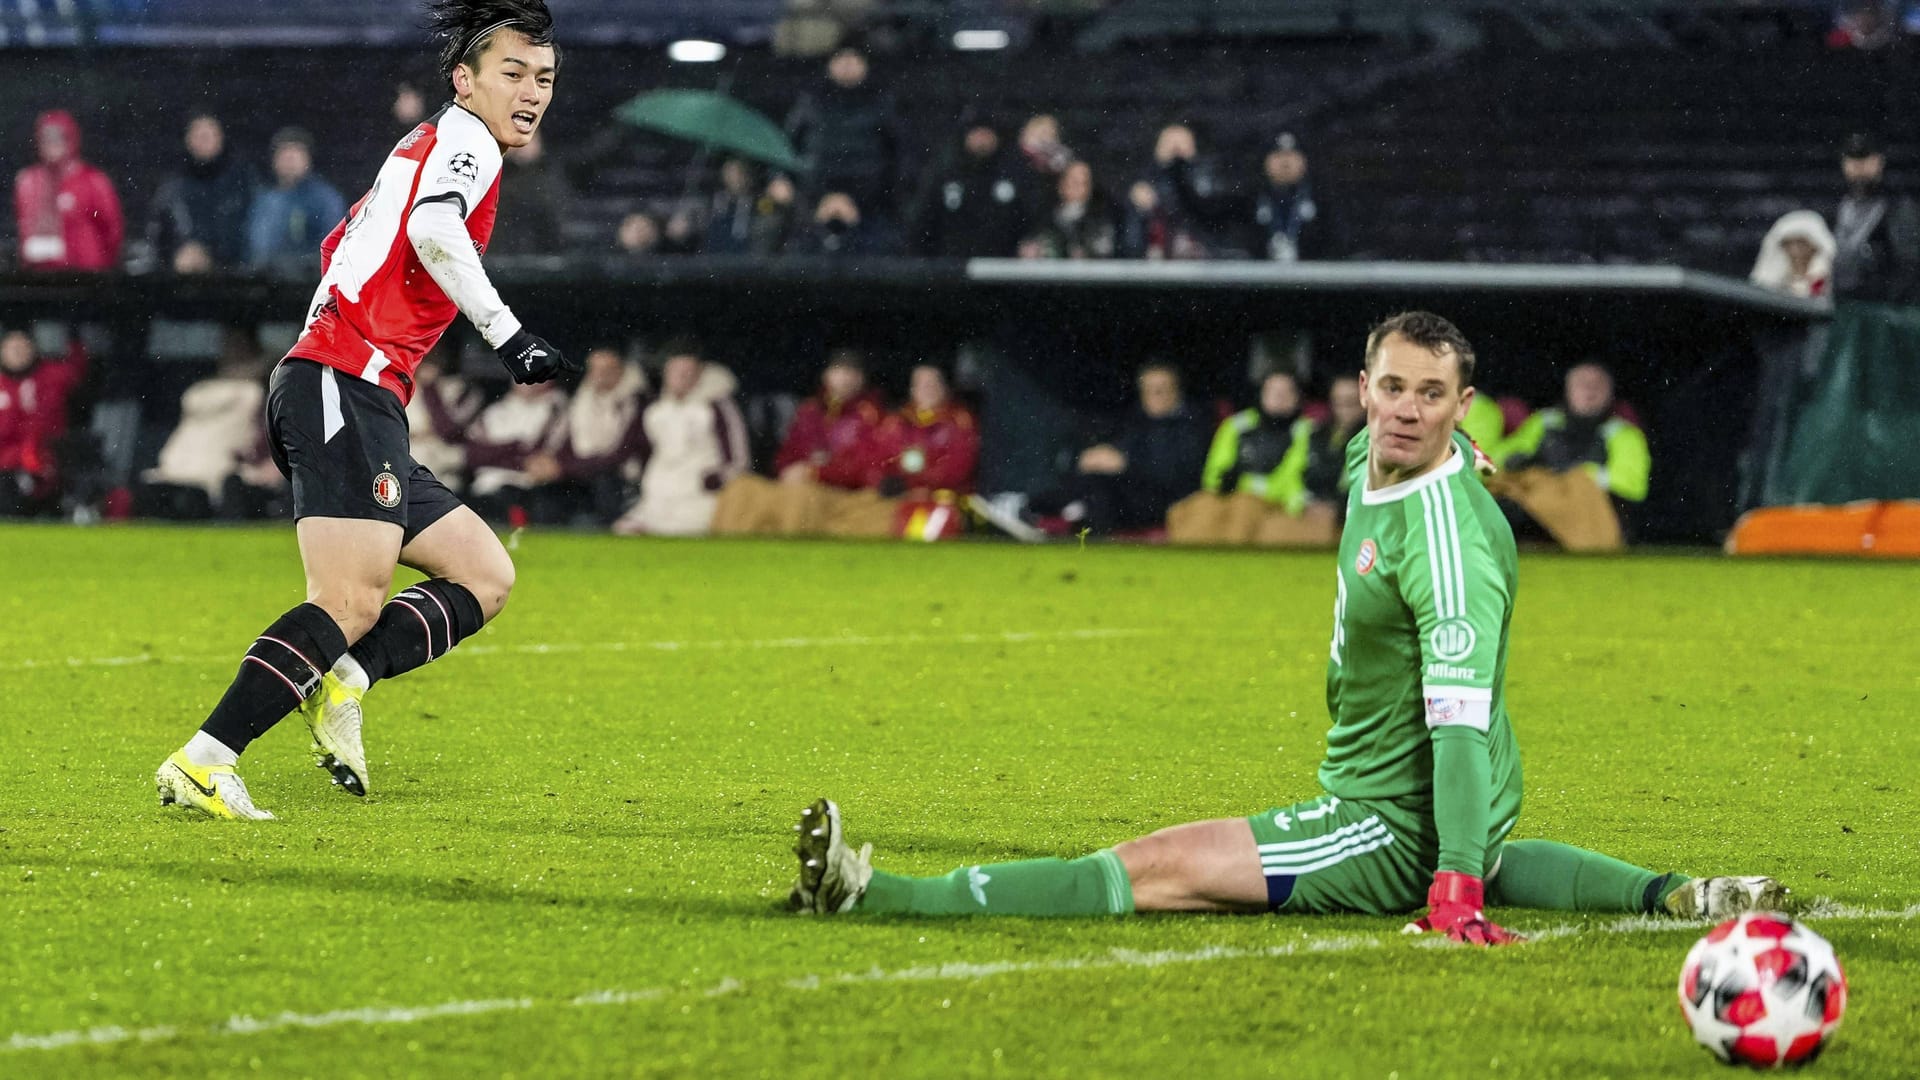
[{"x": 574, "y": 856}]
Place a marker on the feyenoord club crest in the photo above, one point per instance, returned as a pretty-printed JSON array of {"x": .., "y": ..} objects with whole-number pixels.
[
  {"x": 386, "y": 490},
  {"x": 1369, "y": 554}
]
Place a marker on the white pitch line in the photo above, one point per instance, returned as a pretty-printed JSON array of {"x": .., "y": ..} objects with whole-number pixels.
[
  {"x": 1002, "y": 637},
  {"x": 958, "y": 971}
]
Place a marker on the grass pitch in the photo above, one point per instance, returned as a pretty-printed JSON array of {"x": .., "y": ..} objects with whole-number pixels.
[{"x": 574, "y": 856}]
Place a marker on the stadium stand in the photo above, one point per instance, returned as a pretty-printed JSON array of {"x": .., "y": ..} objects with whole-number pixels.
[{"x": 1454, "y": 131}]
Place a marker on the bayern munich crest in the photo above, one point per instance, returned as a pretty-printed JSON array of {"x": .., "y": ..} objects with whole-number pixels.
[
  {"x": 1369, "y": 554},
  {"x": 386, "y": 490}
]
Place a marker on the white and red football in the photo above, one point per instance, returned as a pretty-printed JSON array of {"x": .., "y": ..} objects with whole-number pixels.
[{"x": 1763, "y": 990}]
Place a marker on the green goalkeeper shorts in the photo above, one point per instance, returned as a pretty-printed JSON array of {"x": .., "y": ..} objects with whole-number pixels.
[{"x": 1332, "y": 855}]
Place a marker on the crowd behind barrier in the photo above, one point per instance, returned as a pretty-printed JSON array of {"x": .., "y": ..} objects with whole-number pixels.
[{"x": 881, "y": 178}]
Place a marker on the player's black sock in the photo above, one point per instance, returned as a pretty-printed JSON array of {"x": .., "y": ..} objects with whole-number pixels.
[
  {"x": 421, "y": 623},
  {"x": 280, "y": 669}
]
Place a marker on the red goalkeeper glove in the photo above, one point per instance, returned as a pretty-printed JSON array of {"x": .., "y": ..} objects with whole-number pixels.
[{"x": 1453, "y": 908}]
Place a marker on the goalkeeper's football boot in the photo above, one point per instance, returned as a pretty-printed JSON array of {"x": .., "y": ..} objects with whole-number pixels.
[
  {"x": 833, "y": 877},
  {"x": 1719, "y": 898},
  {"x": 215, "y": 790},
  {"x": 332, "y": 713}
]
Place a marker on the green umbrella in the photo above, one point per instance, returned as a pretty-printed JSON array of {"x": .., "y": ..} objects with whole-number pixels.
[{"x": 713, "y": 120}]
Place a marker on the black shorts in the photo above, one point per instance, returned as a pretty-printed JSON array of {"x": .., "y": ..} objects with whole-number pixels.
[{"x": 342, "y": 442}]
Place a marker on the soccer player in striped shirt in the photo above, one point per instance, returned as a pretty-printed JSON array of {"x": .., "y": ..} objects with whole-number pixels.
[
  {"x": 1421, "y": 780},
  {"x": 396, "y": 273}
]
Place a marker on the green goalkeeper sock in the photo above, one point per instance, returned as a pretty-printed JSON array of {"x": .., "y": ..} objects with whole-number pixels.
[
  {"x": 1560, "y": 877},
  {"x": 1094, "y": 885}
]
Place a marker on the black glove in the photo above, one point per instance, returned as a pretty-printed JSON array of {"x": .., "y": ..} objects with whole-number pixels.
[
  {"x": 531, "y": 360},
  {"x": 892, "y": 487}
]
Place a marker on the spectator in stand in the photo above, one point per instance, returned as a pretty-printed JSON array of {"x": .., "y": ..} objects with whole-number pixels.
[
  {"x": 1326, "y": 475},
  {"x": 932, "y": 444},
  {"x": 1876, "y": 233},
  {"x": 1290, "y": 223},
  {"x": 1796, "y": 258},
  {"x": 840, "y": 229},
  {"x": 409, "y": 106},
  {"x": 1587, "y": 433},
  {"x": 1082, "y": 223},
  {"x": 290, "y": 219},
  {"x": 773, "y": 218},
  {"x": 1172, "y": 208},
  {"x": 831, "y": 436},
  {"x": 732, "y": 211},
  {"x": 444, "y": 405},
  {"x": 198, "y": 221},
  {"x": 680, "y": 233},
  {"x": 1045, "y": 156},
  {"x": 540, "y": 195},
  {"x": 638, "y": 234},
  {"x": 33, "y": 418},
  {"x": 221, "y": 430},
  {"x": 529, "y": 423},
  {"x": 971, "y": 204},
  {"x": 1263, "y": 450},
  {"x": 67, "y": 211},
  {"x": 1155, "y": 461},
  {"x": 848, "y": 132},
  {"x": 599, "y": 459},
  {"x": 696, "y": 442}
]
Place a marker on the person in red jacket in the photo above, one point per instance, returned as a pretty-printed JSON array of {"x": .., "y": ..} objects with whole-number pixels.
[
  {"x": 830, "y": 439},
  {"x": 68, "y": 213},
  {"x": 931, "y": 444},
  {"x": 33, "y": 416}
]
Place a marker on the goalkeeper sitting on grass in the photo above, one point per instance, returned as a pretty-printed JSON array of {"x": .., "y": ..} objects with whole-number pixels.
[{"x": 1422, "y": 775}]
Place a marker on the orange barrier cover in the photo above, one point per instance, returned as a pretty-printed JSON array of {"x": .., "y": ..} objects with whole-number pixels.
[{"x": 1878, "y": 529}]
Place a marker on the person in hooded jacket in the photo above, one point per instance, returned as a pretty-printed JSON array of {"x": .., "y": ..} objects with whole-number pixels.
[
  {"x": 68, "y": 212},
  {"x": 1796, "y": 257},
  {"x": 33, "y": 417}
]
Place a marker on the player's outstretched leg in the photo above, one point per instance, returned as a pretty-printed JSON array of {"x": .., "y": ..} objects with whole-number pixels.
[
  {"x": 837, "y": 879},
  {"x": 1560, "y": 877},
  {"x": 281, "y": 667}
]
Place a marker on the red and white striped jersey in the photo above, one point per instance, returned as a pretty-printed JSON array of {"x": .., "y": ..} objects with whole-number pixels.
[{"x": 378, "y": 311}]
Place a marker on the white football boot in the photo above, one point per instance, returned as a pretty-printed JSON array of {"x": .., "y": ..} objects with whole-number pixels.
[
  {"x": 1720, "y": 898},
  {"x": 833, "y": 877},
  {"x": 333, "y": 715}
]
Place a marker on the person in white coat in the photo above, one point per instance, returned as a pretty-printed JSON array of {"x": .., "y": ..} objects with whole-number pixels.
[
  {"x": 216, "y": 445},
  {"x": 696, "y": 442},
  {"x": 1796, "y": 258}
]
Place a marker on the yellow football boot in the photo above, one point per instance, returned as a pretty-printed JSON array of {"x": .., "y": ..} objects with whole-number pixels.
[{"x": 215, "y": 790}]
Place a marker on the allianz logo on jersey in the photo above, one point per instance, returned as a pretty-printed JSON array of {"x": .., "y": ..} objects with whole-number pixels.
[
  {"x": 1448, "y": 671},
  {"x": 1452, "y": 640}
]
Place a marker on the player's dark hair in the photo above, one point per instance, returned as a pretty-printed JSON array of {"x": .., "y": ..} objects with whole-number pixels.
[
  {"x": 848, "y": 357},
  {"x": 1430, "y": 332},
  {"x": 464, "y": 27}
]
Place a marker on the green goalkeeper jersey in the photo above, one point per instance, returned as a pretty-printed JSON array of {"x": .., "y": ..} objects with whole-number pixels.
[{"x": 1427, "y": 576}]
